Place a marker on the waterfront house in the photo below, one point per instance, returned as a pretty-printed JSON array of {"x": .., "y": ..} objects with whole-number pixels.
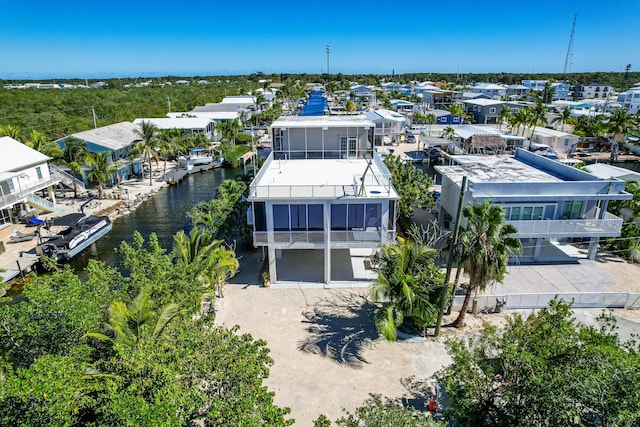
[
  {"x": 322, "y": 202},
  {"x": 387, "y": 124},
  {"x": 402, "y": 106},
  {"x": 484, "y": 111},
  {"x": 116, "y": 139},
  {"x": 444, "y": 117},
  {"x": 23, "y": 172},
  {"x": 547, "y": 201},
  {"x": 517, "y": 91},
  {"x": 439, "y": 99},
  {"x": 560, "y": 141},
  {"x": 630, "y": 99},
  {"x": 478, "y": 139}
]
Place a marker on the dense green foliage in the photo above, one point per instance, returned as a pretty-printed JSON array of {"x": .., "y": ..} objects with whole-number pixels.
[
  {"x": 378, "y": 413},
  {"x": 407, "y": 287},
  {"x": 413, "y": 187},
  {"x": 546, "y": 369},
  {"x": 125, "y": 350}
]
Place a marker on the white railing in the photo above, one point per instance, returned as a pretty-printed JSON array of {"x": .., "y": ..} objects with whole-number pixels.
[
  {"x": 630, "y": 301},
  {"x": 317, "y": 237},
  {"x": 39, "y": 202},
  {"x": 7, "y": 200},
  {"x": 66, "y": 178},
  {"x": 607, "y": 227}
]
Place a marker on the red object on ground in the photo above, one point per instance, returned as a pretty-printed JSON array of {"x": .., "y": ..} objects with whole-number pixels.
[{"x": 432, "y": 405}]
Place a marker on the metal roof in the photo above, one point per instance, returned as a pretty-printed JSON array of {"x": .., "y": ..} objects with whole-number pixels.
[
  {"x": 113, "y": 137},
  {"x": 177, "y": 122},
  {"x": 322, "y": 121}
]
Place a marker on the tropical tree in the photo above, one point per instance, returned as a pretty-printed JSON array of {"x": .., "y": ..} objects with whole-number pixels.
[
  {"x": 229, "y": 130},
  {"x": 543, "y": 370},
  {"x": 75, "y": 157},
  {"x": 40, "y": 142},
  {"x": 430, "y": 120},
  {"x": 101, "y": 169},
  {"x": 169, "y": 143},
  {"x": 413, "y": 187},
  {"x": 221, "y": 265},
  {"x": 146, "y": 145},
  {"x": 408, "y": 284},
  {"x": 457, "y": 110},
  {"x": 523, "y": 118},
  {"x": 485, "y": 247},
  {"x": 565, "y": 115},
  {"x": 620, "y": 123},
  {"x": 11, "y": 131},
  {"x": 449, "y": 133},
  {"x": 538, "y": 117},
  {"x": 349, "y": 106},
  {"x": 135, "y": 322},
  {"x": 504, "y": 115}
]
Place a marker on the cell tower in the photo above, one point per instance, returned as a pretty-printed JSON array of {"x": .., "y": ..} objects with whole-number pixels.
[
  {"x": 569, "y": 57},
  {"x": 328, "y": 51}
]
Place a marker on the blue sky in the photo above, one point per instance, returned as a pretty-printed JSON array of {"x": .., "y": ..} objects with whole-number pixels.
[{"x": 119, "y": 38}]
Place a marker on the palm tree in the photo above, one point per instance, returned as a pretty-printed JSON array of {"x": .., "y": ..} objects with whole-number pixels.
[
  {"x": 538, "y": 117},
  {"x": 75, "y": 157},
  {"x": 11, "y": 131},
  {"x": 146, "y": 145},
  {"x": 221, "y": 265},
  {"x": 406, "y": 278},
  {"x": 101, "y": 169},
  {"x": 484, "y": 248},
  {"x": 130, "y": 323},
  {"x": 186, "y": 249},
  {"x": 431, "y": 120},
  {"x": 505, "y": 114},
  {"x": 620, "y": 123},
  {"x": 565, "y": 115},
  {"x": 39, "y": 142},
  {"x": 230, "y": 130},
  {"x": 169, "y": 142},
  {"x": 457, "y": 110},
  {"x": 449, "y": 133},
  {"x": 524, "y": 117}
]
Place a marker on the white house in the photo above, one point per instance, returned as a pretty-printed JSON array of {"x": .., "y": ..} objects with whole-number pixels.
[
  {"x": 23, "y": 172},
  {"x": 202, "y": 125},
  {"x": 387, "y": 124},
  {"x": 322, "y": 202},
  {"x": 547, "y": 201},
  {"x": 560, "y": 141},
  {"x": 592, "y": 91},
  {"x": 494, "y": 91},
  {"x": 631, "y": 99}
]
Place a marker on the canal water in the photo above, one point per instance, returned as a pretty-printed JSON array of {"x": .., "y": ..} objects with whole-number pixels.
[{"x": 165, "y": 213}]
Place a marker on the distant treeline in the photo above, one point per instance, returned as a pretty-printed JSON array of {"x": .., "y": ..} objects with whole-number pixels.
[{"x": 59, "y": 112}]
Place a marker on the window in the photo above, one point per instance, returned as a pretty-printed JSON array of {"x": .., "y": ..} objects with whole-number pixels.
[
  {"x": 10, "y": 185},
  {"x": 572, "y": 209},
  {"x": 356, "y": 216},
  {"x": 523, "y": 213},
  {"x": 492, "y": 110},
  {"x": 39, "y": 173},
  {"x": 296, "y": 217},
  {"x": 259, "y": 217}
]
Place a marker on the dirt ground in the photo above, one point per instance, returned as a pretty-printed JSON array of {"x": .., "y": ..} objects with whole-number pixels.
[{"x": 327, "y": 353}]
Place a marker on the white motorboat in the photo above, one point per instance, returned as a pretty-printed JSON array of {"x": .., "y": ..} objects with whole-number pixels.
[{"x": 199, "y": 156}]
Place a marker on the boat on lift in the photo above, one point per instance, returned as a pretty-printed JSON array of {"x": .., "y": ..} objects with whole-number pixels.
[{"x": 199, "y": 156}]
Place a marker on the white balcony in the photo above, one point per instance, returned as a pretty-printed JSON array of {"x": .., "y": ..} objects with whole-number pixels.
[
  {"x": 610, "y": 226},
  {"x": 350, "y": 238},
  {"x": 7, "y": 200}
]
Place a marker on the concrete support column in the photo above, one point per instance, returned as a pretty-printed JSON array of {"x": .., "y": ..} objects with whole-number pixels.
[
  {"x": 327, "y": 242},
  {"x": 536, "y": 249},
  {"x": 593, "y": 248},
  {"x": 52, "y": 194},
  {"x": 273, "y": 268}
]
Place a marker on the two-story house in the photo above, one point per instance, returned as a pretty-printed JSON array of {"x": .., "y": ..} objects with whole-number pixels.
[
  {"x": 493, "y": 91},
  {"x": 547, "y": 201},
  {"x": 23, "y": 172},
  {"x": 592, "y": 91},
  {"x": 388, "y": 125},
  {"x": 322, "y": 202},
  {"x": 630, "y": 99}
]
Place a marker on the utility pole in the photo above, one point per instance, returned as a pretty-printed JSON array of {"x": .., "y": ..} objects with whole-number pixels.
[
  {"x": 569, "y": 57},
  {"x": 454, "y": 241},
  {"x": 169, "y": 103},
  {"x": 95, "y": 120},
  {"x": 328, "y": 52}
]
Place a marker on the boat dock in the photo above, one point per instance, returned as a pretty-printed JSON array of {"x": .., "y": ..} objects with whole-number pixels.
[
  {"x": 177, "y": 174},
  {"x": 18, "y": 259}
]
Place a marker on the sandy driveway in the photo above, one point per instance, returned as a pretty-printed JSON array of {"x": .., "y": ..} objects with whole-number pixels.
[{"x": 326, "y": 350}]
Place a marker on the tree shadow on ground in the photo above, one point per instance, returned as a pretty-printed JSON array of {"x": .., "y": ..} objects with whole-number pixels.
[{"x": 340, "y": 327}]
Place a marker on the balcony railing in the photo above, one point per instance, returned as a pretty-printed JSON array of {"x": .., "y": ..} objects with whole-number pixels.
[
  {"x": 10, "y": 199},
  {"x": 610, "y": 226},
  {"x": 317, "y": 237}
]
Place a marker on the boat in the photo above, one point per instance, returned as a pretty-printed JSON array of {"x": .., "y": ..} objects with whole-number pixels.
[
  {"x": 198, "y": 156},
  {"x": 73, "y": 234}
]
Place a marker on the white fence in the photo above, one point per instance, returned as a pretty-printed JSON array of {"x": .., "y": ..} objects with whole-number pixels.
[{"x": 579, "y": 300}]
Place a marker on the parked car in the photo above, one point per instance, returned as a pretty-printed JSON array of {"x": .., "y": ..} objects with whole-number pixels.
[{"x": 410, "y": 137}]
